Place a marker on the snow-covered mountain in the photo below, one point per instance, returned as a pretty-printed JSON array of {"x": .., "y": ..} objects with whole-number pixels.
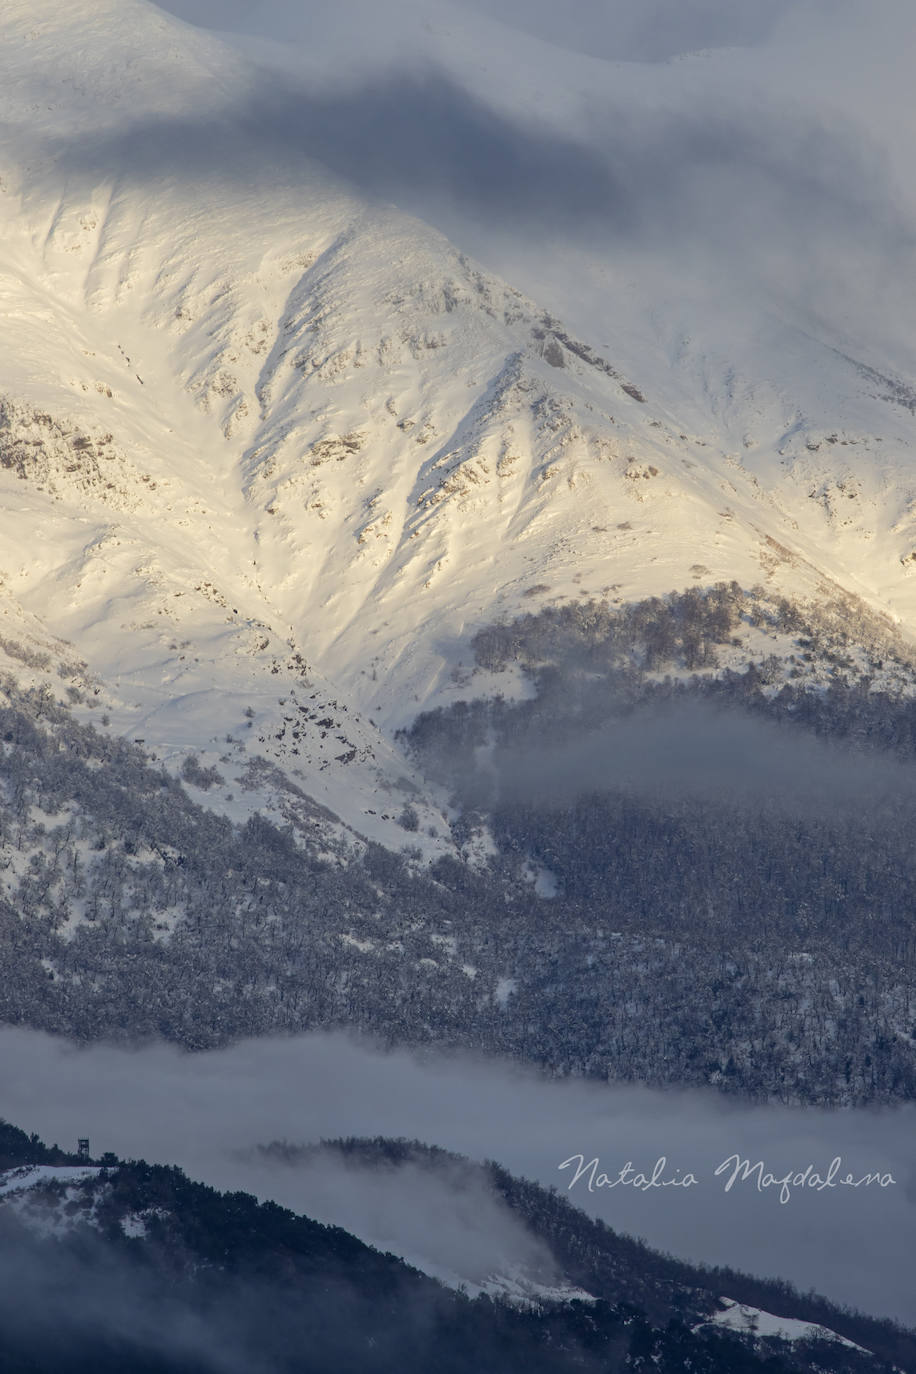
[
  {"x": 413, "y": 418},
  {"x": 273, "y": 451}
]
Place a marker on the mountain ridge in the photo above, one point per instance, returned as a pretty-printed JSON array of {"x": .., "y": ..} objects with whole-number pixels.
[
  {"x": 355, "y": 455},
  {"x": 274, "y": 456},
  {"x": 200, "y": 1264}
]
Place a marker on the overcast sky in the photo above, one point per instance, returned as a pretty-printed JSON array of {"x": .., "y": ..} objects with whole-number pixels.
[{"x": 732, "y": 153}]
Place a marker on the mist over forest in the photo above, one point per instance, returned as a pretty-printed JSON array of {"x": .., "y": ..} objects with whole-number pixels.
[
  {"x": 457, "y": 686},
  {"x": 166, "y": 1106}
]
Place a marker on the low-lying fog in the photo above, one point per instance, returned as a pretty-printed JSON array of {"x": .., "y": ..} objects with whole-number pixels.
[{"x": 205, "y": 1112}]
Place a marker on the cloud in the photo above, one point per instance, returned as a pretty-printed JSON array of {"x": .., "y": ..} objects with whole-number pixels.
[
  {"x": 761, "y": 187},
  {"x": 625, "y": 30},
  {"x": 64, "y": 1302},
  {"x": 754, "y": 199},
  {"x": 440, "y": 1216},
  {"x": 206, "y": 1112},
  {"x": 698, "y": 750},
  {"x": 639, "y": 30},
  {"x": 772, "y": 176}
]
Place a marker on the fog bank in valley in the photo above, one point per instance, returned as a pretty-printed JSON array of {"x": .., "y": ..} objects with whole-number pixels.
[
  {"x": 207, "y": 1112},
  {"x": 696, "y": 749}
]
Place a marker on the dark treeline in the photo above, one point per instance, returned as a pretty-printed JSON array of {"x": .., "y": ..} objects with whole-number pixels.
[
  {"x": 621, "y": 1269},
  {"x": 17, "y": 1148},
  {"x": 139, "y": 1268},
  {"x": 734, "y": 936}
]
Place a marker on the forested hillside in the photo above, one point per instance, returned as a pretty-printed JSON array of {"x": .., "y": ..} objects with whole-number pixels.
[{"x": 135, "y": 1266}]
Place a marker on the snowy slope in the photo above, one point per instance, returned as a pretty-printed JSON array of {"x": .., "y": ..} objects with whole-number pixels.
[
  {"x": 737, "y": 1316},
  {"x": 270, "y": 452},
  {"x": 15, "y": 1181}
]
